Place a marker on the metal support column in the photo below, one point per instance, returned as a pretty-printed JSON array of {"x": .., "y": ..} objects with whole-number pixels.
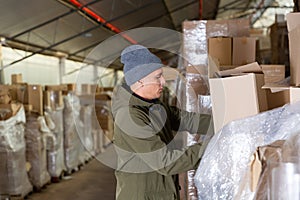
[{"x": 62, "y": 68}]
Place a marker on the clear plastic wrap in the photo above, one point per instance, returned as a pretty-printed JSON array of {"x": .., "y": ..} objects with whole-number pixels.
[
  {"x": 194, "y": 43},
  {"x": 55, "y": 153},
  {"x": 196, "y": 84},
  {"x": 97, "y": 133},
  {"x": 85, "y": 134},
  {"x": 14, "y": 179},
  {"x": 222, "y": 173},
  {"x": 71, "y": 137},
  {"x": 195, "y": 34},
  {"x": 36, "y": 153}
]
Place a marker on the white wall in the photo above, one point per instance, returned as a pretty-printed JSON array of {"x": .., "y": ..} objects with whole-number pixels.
[{"x": 44, "y": 70}]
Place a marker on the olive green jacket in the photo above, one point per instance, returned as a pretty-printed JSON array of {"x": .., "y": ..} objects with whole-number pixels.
[{"x": 148, "y": 159}]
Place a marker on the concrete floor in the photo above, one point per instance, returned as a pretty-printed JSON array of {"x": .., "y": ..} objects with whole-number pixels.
[{"x": 94, "y": 181}]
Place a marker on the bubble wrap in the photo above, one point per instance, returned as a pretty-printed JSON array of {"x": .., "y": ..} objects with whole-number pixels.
[
  {"x": 36, "y": 153},
  {"x": 13, "y": 174},
  {"x": 71, "y": 137},
  {"x": 55, "y": 153},
  {"x": 222, "y": 173}
]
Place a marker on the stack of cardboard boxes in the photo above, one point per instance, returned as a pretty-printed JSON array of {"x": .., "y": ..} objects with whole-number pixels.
[
  {"x": 239, "y": 87},
  {"x": 199, "y": 37},
  {"x": 49, "y": 146}
]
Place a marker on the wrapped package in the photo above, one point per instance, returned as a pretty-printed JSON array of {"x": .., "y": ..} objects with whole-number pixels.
[
  {"x": 223, "y": 171},
  {"x": 71, "y": 137},
  {"x": 85, "y": 134},
  {"x": 36, "y": 154},
  {"x": 55, "y": 153},
  {"x": 14, "y": 179},
  {"x": 265, "y": 159},
  {"x": 97, "y": 133}
]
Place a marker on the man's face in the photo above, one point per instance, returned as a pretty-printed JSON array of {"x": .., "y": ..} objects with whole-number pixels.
[{"x": 153, "y": 84}]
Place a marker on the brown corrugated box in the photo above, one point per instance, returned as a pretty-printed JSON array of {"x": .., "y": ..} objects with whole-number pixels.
[
  {"x": 53, "y": 99},
  {"x": 273, "y": 73},
  {"x": 221, "y": 49},
  {"x": 293, "y": 24},
  {"x": 16, "y": 78},
  {"x": 62, "y": 87},
  {"x": 8, "y": 110},
  {"x": 243, "y": 50},
  {"x": 35, "y": 98}
]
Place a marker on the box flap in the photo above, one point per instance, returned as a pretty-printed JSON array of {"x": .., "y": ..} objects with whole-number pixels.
[{"x": 252, "y": 67}]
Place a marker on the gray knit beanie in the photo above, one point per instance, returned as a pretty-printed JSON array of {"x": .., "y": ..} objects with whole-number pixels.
[{"x": 138, "y": 62}]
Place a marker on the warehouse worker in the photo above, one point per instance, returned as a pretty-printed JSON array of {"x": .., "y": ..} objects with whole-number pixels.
[{"x": 148, "y": 160}]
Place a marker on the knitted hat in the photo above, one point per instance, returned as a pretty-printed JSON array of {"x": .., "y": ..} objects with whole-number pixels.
[{"x": 138, "y": 62}]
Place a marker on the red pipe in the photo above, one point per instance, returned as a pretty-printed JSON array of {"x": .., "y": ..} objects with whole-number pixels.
[
  {"x": 101, "y": 20},
  {"x": 200, "y": 9}
]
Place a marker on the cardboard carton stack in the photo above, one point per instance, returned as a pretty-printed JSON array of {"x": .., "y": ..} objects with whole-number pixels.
[
  {"x": 196, "y": 46},
  {"x": 36, "y": 150},
  {"x": 72, "y": 145},
  {"x": 53, "y": 106},
  {"x": 13, "y": 182},
  {"x": 104, "y": 117}
]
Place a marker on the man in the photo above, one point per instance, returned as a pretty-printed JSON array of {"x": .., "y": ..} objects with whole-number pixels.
[{"x": 148, "y": 161}]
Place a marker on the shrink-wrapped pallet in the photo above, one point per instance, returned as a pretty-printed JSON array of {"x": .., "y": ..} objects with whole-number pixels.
[
  {"x": 36, "y": 135},
  {"x": 55, "y": 153},
  {"x": 14, "y": 180},
  {"x": 72, "y": 143},
  {"x": 85, "y": 133}
]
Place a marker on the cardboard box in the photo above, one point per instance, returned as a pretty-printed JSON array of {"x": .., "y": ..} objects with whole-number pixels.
[
  {"x": 273, "y": 73},
  {"x": 16, "y": 78},
  {"x": 221, "y": 49},
  {"x": 294, "y": 46},
  {"x": 5, "y": 96},
  {"x": 278, "y": 96},
  {"x": 294, "y": 95},
  {"x": 85, "y": 89},
  {"x": 35, "y": 98},
  {"x": 62, "y": 87},
  {"x": 71, "y": 87},
  {"x": 293, "y": 25},
  {"x": 236, "y": 97},
  {"x": 243, "y": 50},
  {"x": 8, "y": 110},
  {"x": 292, "y": 20},
  {"x": 53, "y": 99}
]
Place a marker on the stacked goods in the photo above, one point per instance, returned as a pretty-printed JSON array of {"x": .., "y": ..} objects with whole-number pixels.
[
  {"x": 54, "y": 118},
  {"x": 14, "y": 180},
  {"x": 36, "y": 154},
  {"x": 104, "y": 117},
  {"x": 85, "y": 134},
  {"x": 196, "y": 54},
  {"x": 71, "y": 137}
]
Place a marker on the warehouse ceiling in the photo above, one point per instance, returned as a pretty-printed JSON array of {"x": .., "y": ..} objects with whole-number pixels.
[{"x": 72, "y": 28}]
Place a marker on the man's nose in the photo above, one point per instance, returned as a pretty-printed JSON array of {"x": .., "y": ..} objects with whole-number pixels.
[{"x": 162, "y": 81}]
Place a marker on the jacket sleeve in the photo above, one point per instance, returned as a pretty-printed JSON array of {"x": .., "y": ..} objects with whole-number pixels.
[
  {"x": 189, "y": 121},
  {"x": 145, "y": 149}
]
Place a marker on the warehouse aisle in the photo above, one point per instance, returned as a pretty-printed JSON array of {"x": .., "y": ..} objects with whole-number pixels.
[{"x": 94, "y": 181}]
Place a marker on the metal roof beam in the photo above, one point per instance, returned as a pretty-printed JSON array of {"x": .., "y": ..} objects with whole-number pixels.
[{"x": 52, "y": 20}]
